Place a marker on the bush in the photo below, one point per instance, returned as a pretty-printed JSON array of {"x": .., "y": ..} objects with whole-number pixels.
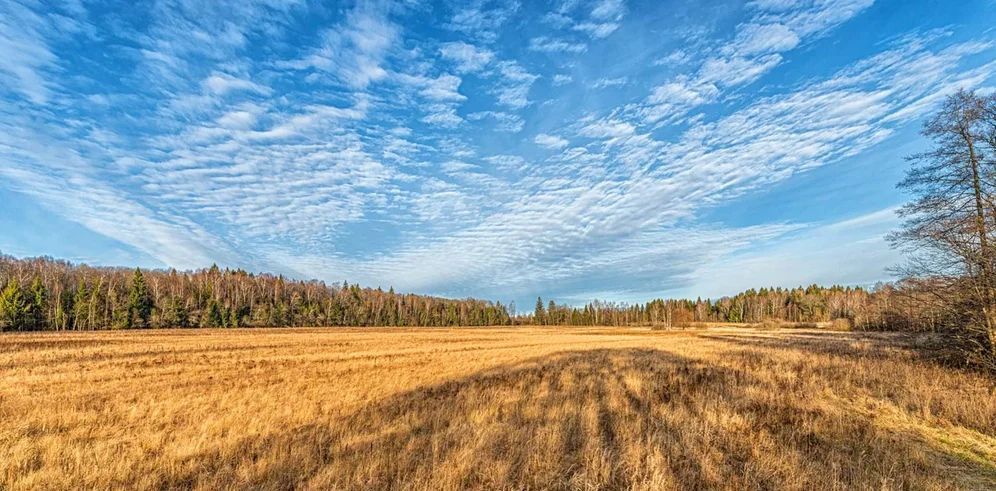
[
  {"x": 691, "y": 324},
  {"x": 780, "y": 324}
]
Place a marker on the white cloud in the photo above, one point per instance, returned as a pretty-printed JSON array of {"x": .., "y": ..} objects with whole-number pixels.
[
  {"x": 609, "y": 10},
  {"x": 683, "y": 92},
  {"x": 25, "y": 52},
  {"x": 550, "y": 141},
  {"x": 815, "y": 19},
  {"x": 607, "y": 128},
  {"x": 456, "y": 166},
  {"x": 442, "y": 115},
  {"x": 481, "y": 22},
  {"x": 767, "y": 38},
  {"x": 223, "y": 83},
  {"x": 674, "y": 99},
  {"x": 316, "y": 116},
  {"x": 354, "y": 50},
  {"x": 513, "y": 88},
  {"x": 737, "y": 70},
  {"x": 469, "y": 58},
  {"x": 552, "y": 45},
  {"x": 676, "y": 57},
  {"x": 609, "y": 82},
  {"x": 778, "y": 27},
  {"x": 561, "y": 79},
  {"x": 45, "y": 167},
  {"x": 238, "y": 120},
  {"x": 597, "y": 29},
  {"x": 443, "y": 88},
  {"x": 504, "y": 121},
  {"x": 598, "y": 19},
  {"x": 556, "y": 19},
  {"x": 511, "y": 163}
]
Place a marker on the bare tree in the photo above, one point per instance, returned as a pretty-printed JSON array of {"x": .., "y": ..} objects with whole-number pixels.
[{"x": 947, "y": 228}]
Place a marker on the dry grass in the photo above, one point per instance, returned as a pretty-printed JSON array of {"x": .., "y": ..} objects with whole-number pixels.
[{"x": 489, "y": 408}]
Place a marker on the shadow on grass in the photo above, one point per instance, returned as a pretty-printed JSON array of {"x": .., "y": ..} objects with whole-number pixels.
[
  {"x": 924, "y": 347},
  {"x": 600, "y": 419}
]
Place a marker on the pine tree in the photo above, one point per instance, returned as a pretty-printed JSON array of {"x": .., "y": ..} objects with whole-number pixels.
[
  {"x": 37, "y": 303},
  {"x": 213, "y": 316},
  {"x": 175, "y": 314},
  {"x": 13, "y": 307},
  {"x": 539, "y": 315},
  {"x": 139, "y": 301}
]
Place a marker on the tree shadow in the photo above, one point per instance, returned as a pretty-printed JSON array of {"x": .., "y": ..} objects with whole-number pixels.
[
  {"x": 855, "y": 345},
  {"x": 602, "y": 419}
]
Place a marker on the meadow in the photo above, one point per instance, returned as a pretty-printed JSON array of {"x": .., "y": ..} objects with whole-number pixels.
[{"x": 496, "y": 408}]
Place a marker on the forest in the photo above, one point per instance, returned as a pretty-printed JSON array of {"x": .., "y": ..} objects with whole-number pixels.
[{"x": 48, "y": 294}]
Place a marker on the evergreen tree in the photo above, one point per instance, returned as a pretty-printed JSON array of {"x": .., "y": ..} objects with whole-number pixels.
[
  {"x": 37, "y": 304},
  {"x": 121, "y": 315},
  {"x": 175, "y": 314},
  {"x": 213, "y": 317},
  {"x": 96, "y": 314},
  {"x": 13, "y": 307},
  {"x": 139, "y": 301},
  {"x": 540, "y": 315}
]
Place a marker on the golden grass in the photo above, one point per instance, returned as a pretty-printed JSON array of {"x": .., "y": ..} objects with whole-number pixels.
[{"x": 488, "y": 408}]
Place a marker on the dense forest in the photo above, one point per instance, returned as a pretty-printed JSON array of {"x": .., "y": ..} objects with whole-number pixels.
[{"x": 47, "y": 294}]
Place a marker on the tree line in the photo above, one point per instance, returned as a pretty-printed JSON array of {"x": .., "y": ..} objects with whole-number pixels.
[
  {"x": 48, "y": 294},
  {"x": 887, "y": 306}
]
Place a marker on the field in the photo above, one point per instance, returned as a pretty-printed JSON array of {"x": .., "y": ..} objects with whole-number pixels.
[{"x": 489, "y": 408}]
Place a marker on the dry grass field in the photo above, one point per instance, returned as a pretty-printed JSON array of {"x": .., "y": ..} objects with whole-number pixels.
[{"x": 489, "y": 408}]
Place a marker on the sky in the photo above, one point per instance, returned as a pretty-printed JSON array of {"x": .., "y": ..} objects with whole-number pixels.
[{"x": 614, "y": 149}]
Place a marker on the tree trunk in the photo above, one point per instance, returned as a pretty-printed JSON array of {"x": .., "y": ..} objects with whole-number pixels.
[{"x": 980, "y": 224}]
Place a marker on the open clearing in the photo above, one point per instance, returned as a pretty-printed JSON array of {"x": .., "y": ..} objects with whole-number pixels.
[{"x": 488, "y": 408}]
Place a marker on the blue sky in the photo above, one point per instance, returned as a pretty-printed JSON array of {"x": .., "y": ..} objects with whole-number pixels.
[{"x": 608, "y": 149}]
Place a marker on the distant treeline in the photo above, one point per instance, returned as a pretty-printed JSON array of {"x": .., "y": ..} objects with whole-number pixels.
[
  {"x": 48, "y": 294},
  {"x": 901, "y": 306}
]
